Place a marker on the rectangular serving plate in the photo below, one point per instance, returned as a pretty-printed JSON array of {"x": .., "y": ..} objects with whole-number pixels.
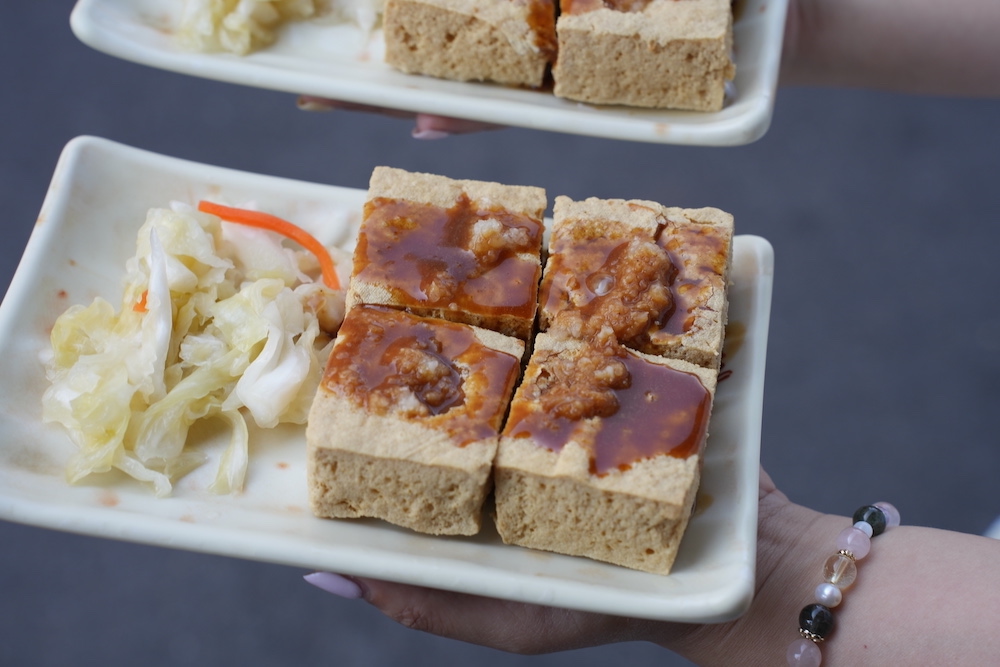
[
  {"x": 342, "y": 62},
  {"x": 86, "y": 230}
]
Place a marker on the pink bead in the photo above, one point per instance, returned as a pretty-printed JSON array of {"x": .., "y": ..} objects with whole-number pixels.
[
  {"x": 854, "y": 540},
  {"x": 803, "y": 652},
  {"x": 891, "y": 514}
]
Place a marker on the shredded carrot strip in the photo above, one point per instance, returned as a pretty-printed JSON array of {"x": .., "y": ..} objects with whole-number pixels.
[
  {"x": 140, "y": 305},
  {"x": 275, "y": 224}
]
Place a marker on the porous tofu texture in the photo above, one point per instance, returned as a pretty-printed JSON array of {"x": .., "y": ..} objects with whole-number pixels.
[
  {"x": 471, "y": 40},
  {"x": 672, "y": 54},
  {"x": 555, "y": 488},
  {"x": 404, "y": 425}
]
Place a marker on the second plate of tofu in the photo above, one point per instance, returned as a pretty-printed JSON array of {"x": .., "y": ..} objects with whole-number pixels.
[{"x": 343, "y": 61}]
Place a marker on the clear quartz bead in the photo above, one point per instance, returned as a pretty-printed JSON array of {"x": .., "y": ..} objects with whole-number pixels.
[
  {"x": 803, "y": 653},
  {"x": 854, "y": 540},
  {"x": 891, "y": 514},
  {"x": 828, "y": 595},
  {"x": 840, "y": 571}
]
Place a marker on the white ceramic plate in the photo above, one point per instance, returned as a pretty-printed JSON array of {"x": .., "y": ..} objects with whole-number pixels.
[
  {"x": 341, "y": 62},
  {"x": 86, "y": 230}
]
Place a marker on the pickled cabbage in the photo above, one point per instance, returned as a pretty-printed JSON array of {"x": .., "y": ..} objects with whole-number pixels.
[
  {"x": 237, "y": 26},
  {"x": 216, "y": 320},
  {"x": 244, "y": 26}
]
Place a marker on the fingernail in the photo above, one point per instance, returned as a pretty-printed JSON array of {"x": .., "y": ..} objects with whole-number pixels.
[
  {"x": 309, "y": 104},
  {"x": 429, "y": 134},
  {"x": 335, "y": 584}
]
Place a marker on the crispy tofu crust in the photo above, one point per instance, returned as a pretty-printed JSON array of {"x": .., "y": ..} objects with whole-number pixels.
[
  {"x": 406, "y": 431},
  {"x": 672, "y": 54},
  {"x": 471, "y": 40},
  {"x": 553, "y": 499}
]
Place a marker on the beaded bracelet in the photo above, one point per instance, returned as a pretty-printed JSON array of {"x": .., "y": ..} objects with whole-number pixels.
[{"x": 839, "y": 572}]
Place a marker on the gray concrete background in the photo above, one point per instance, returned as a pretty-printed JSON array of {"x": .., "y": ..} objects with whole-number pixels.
[{"x": 884, "y": 356}]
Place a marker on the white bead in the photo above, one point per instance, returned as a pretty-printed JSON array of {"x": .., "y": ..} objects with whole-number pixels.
[
  {"x": 865, "y": 526},
  {"x": 828, "y": 595}
]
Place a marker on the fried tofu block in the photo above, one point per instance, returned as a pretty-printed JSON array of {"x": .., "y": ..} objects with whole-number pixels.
[
  {"x": 656, "y": 275},
  {"x": 460, "y": 250},
  {"x": 505, "y": 41},
  {"x": 673, "y": 54},
  {"x": 602, "y": 453},
  {"x": 405, "y": 424}
]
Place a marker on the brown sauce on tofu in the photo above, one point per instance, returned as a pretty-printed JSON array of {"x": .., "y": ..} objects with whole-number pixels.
[
  {"x": 476, "y": 259},
  {"x": 702, "y": 251},
  {"x": 542, "y": 20},
  {"x": 632, "y": 284},
  {"x": 391, "y": 362},
  {"x": 584, "y": 6},
  {"x": 623, "y": 283},
  {"x": 644, "y": 409},
  {"x": 666, "y": 411}
]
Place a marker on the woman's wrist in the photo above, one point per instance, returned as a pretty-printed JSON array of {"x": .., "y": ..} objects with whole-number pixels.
[{"x": 791, "y": 540}]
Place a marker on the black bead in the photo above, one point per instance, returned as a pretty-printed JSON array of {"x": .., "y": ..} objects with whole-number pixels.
[
  {"x": 873, "y": 516},
  {"x": 816, "y": 619}
]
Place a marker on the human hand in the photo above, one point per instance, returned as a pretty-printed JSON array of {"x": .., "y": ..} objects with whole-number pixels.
[
  {"x": 532, "y": 629},
  {"x": 514, "y": 627},
  {"x": 426, "y": 126},
  {"x": 910, "y": 46}
]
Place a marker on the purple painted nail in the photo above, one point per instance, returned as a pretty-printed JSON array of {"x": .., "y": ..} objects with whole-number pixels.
[{"x": 335, "y": 584}]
